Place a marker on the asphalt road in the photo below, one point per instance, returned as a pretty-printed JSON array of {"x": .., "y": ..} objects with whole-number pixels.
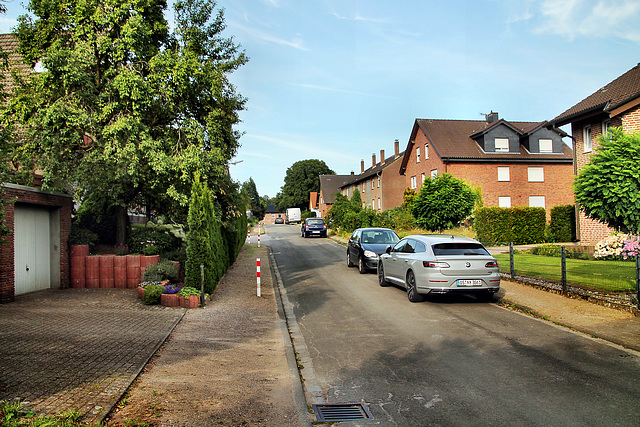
[{"x": 448, "y": 360}]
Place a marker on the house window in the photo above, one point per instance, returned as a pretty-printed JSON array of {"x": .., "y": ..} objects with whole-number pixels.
[
  {"x": 423, "y": 176},
  {"x": 606, "y": 125},
  {"x": 546, "y": 145},
  {"x": 418, "y": 155},
  {"x": 502, "y": 145},
  {"x": 379, "y": 204},
  {"x": 364, "y": 187},
  {"x": 536, "y": 201},
  {"x": 586, "y": 137},
  {"x": 372, "y": 183},
  {"x": 504, "y": 202},
  {"x": 413, "y": 182},
  {"x": 536, "y": 174},
  {"x": 503, "y": 173},
  {"x": 434, "y": 173},
  {"x": 273, "y": 216},
  {"x": 426, "y": 151},
  {"x": 379, "y": 181}
]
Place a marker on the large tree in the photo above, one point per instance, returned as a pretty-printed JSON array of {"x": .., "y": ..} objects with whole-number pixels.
[
  {"x": 257, "y": 205},
  {"x": 608, "y": 187},
  {"x": 301, "y": 179},
  {"x": 125, "y": 111},
  {"x": 443, "y": 202}
]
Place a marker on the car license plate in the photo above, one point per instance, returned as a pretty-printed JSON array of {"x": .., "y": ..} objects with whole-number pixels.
[
  {"x": 469, "y": 282},
  {"x": 316, "y": 232}
]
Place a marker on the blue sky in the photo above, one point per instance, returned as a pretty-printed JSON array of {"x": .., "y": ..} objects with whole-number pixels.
[{"x": 339, "y": 80}]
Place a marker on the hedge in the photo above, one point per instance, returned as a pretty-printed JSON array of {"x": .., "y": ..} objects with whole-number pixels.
[
  {"x": 562, "y": 226},
  {"x": 520, "y": 225}
]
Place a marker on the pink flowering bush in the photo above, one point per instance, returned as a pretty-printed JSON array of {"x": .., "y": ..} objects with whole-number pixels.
[
  {"x": 631, "y": 247},
  {"x": 611, "y": 247}
]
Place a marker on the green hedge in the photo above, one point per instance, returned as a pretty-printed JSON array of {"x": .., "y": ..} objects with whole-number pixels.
[
  {"x": 562, "y": 226},
  {"x": 520, "y": 225}
]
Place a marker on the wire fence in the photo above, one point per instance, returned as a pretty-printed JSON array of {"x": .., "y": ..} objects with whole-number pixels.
[{"x": 575, "y": 268}]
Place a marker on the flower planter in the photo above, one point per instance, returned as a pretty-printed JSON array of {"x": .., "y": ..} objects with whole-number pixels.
[
  {"x": 170, "y": 300},
  {"x": 140, "y": 292},
  {"x": 192, "y": 301},
  {"x": 120, "y": 272},
  {"x": 107, "y": 279},
  {"x": 92, "y": 272}
]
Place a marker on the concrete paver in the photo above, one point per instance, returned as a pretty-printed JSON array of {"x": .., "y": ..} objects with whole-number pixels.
[{"x": 78, "y": 348}]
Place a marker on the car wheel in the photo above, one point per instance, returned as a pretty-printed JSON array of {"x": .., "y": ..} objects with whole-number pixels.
[
  {"x": 381, "y": 280},
  {"x": 412, "y": 292},
  {"x": 361, "y": 268},
  {"x": 349, "y": 263}
]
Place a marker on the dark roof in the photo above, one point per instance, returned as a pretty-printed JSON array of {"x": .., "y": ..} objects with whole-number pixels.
[
  {"x": 329, "y": 185},
  {"x": 272, "y": 209},
  {"x": 620, "y": 91},
  {"x": 452, "y": 140},
  {"x": 374, "y": 170},
  {"x": 9, "y": 44}
]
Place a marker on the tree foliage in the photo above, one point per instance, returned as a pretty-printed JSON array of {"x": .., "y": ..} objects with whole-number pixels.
[
  {"x": 125, "y": 111},
  {"x": 608, "y": 187},
  {"x": 300, "y": 180},
  {"x": 443, "y": 202},
  {"x": 257, "y": 205}
]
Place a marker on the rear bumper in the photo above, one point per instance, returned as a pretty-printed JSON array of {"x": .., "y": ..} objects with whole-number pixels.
[{"x": 465, "y": 290}]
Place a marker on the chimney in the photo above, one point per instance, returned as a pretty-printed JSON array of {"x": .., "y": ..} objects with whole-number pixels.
[
  {"x": 396, "y": 144},
  {"x": 352, "y": 173},
  {"x": 492, "y": 117},
  {"x": 373, "y": 160},
  {"x": 382, "y": 156},
  {"x": 361, "y": 166}
]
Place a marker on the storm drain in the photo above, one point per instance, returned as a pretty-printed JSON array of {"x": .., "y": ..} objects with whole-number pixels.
[{"x": 341, "y": 412}]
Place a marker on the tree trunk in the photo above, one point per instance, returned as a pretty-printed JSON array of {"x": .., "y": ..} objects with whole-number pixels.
[{"x": 121, "y": 226}]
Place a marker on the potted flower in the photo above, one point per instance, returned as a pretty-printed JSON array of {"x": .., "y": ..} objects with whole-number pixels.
[
  {"x": 143, "y": 285},
  {"x": 170, "y": 297},
  {"x": 189, "y": 297}
]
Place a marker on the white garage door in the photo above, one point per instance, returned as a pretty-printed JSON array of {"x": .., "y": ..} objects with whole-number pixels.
[{"x": 32, "y": 249}]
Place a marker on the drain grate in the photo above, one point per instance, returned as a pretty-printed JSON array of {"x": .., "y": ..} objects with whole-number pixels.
[{"x": 341, "y": 412}]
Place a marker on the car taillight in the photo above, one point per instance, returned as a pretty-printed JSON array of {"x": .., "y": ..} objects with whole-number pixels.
[
  {"x": 491, "y": 264},
  {"x": 432, "y": 264},
  {"x": 324, "y": 226},
  {"x": 306, "y": 226}
]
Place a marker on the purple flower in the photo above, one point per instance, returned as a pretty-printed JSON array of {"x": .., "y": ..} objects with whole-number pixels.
[{"x": 171, "y": 289}]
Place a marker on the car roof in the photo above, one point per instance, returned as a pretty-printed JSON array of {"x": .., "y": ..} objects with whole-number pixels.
[
  {"x": 374, "y": 229},
  {"x": 441, "y": 238}
]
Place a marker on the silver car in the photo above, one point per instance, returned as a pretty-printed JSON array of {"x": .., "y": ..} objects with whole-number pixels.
[{"x": 439, "y": 264}]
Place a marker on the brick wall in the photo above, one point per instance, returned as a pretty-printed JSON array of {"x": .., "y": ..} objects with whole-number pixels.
[
  {"x": 393, "y": 185},
  {"x": 33, "y": 197}
]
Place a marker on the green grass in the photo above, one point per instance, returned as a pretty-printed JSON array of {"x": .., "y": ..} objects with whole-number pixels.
[
  {"x": 14, "y": 414},
  {"x": 609, "y": 276}
]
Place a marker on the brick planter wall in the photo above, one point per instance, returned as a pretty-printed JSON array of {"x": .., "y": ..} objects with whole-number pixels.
[{"x": 108, "y": 271}]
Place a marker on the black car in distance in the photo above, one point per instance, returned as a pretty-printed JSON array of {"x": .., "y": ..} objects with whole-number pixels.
[
  {"x": 313, "y": 227},
  {"x": 366, "y": 245}
]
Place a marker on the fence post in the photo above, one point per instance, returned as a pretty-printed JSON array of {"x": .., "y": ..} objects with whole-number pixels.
[
  {"x": 201, "y": 285},
  {"x": 512, "y": 264},
  {"x": 638, "y": 279},
  {"x": 563, "y": 264}
]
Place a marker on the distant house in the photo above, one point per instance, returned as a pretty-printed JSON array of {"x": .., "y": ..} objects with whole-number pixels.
[
  {"x": 313, "y": 203},
  {"x": 514, "y": 163},
  {"x": 617, "y": 104},
  {"x": 271, "y": 214},
  {"x": 330, "y": 186},
  {"x": 381, "y": 185}
]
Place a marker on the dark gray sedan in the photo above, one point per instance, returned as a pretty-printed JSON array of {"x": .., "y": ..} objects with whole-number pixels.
[{"x": 366, "y": 245}]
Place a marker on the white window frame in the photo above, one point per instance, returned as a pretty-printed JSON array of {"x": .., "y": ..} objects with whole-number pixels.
[
  {"x": 413, "y": 183},
  {"x": 504, "y": 174},
  {"x": 504, "y": 201},
  {"x": 373, "y": 185},
  {"x": 417, "y": 154},
  {"x": 537, "y": 202},
  {"x": 422, "y": 176},
  {"x": 606, "y": 125},
  {"x": 379, "y": 204},
  {"x": 535, "y": 174},
  {"x": 426, "y": 151},
  {"x": 379, "y": 181},
  {"x": 587, "y": 139},
  {"x": 501, "y": 149},
  {"x": 548, "y": 143},
  {"x": 434, "y": 173}
]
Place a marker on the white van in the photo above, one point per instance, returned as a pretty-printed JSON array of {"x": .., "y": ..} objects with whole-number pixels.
[{"x": 294, "y": 216}]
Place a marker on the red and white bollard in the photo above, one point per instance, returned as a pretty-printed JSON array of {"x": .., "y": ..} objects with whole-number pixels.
[
  {"x": 258, "y": 235},
  {"x": 249, "y": 235},
  {"x": 258, "y": 274}
]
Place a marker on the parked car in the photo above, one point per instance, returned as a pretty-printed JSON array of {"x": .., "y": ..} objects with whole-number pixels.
[
  {"x": 279, "y": 220},
  {"x": 313, "y": 227},
  {"x": 366, "y": 245},
  {"x": 439, "y": 264}
]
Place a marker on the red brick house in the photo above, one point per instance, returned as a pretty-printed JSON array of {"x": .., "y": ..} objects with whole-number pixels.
[
  {"x": 514, "y": 163},
  {"x": 381, "y": 186},
  {"x": 271, "y": 214},
  {"x": 330, "y": 186},
  {"x": 617, "y": 104}
]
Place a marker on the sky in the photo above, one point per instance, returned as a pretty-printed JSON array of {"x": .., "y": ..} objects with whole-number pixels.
[{"x": 340, "y": 80}]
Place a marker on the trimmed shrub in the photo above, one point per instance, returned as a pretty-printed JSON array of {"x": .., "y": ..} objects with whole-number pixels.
[
  {"x": 199, "y": 244},
  {"x": 152, "y": 294},
  {"x": 520, "y": 225},
  {"x": 562, "y": 226},
  {"x": 152, "y": 240},
  {"x": 165, "y": 270}
]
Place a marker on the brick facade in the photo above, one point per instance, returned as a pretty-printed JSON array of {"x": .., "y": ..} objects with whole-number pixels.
[{"x": 32, "y": 197}]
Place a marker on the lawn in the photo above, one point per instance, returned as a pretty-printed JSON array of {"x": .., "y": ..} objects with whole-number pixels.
[{"x": 609, "y": 276}]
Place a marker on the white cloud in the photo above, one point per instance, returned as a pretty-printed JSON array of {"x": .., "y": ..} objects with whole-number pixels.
[
  {"x": 295, "y": 43},
  {"x": 330, "y": 89},
  {"x": 584, "y": 18}
]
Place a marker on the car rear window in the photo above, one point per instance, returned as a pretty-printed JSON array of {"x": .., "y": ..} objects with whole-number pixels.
[
  {"x": 444, "y": 249},
  {"x": 315, "y": 221}
]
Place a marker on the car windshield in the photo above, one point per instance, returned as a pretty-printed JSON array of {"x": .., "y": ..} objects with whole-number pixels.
[
  {"x": 444, "y": 249},
  {"x": 315, "y": 221},
  {"x": 379, "y": 237}
]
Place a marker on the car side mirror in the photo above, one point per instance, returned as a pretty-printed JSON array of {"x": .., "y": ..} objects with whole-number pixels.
[{"x": 388, "y": 250}]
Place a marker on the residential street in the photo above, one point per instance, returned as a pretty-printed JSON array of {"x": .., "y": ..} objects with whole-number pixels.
[{"x": 446, "y": 361}]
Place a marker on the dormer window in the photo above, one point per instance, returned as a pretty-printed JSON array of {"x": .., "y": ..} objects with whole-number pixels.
[
  {"x": 546, "y": 145},
  {"x": 502, "y": 145}
]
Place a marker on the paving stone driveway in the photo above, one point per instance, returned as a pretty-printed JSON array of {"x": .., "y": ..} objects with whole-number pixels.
[{"x": 78, "y": 348}]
